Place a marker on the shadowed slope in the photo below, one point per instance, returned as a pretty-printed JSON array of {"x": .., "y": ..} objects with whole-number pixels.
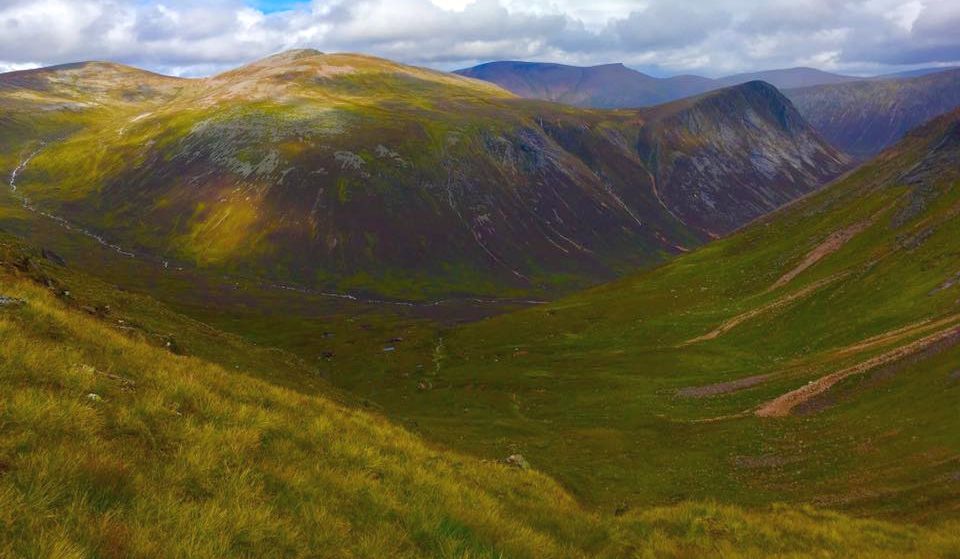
[
  {"x": 692, "y": 143},
  {"x": 865, "y": 117}
]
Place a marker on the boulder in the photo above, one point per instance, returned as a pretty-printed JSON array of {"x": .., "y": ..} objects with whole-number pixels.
[{"x": 517, "y": 461}]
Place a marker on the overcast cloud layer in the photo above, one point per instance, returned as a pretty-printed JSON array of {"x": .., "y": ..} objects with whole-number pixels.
[{"x": 667, "y": 36}]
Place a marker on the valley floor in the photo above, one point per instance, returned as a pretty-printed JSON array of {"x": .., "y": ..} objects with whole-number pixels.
[{"x": 113, "y": 445}]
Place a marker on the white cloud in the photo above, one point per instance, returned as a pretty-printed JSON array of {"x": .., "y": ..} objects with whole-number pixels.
[
  {"x": 191, "y": 37},
  {"x": 16, "y": 66}
]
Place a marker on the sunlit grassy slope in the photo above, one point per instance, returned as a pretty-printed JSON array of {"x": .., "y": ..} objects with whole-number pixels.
[
  {"x": 112, "y": 445},
  {"x": 677, "y": 383}
]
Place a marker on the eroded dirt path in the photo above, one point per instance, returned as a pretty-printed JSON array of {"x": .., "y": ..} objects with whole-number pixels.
[
  {"x": 769, "y": 307},
  {"x": 784, "y": 404},
  {"x": 719, "y": 388},
  {"x": 917, "y": 328},
  {"x": 832, "y": 244},
  {"x": 894, "y": 335}
]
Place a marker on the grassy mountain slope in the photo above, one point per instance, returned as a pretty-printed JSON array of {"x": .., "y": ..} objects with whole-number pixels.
[
  {"x": 864, "y": 117},
  {"x": 115, "y": 446},
  {"x": 810, "y": 357},
  {"x": 357, "y": 174}
]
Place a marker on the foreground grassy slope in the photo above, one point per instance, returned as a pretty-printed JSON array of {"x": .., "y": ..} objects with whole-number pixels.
[
  {"x": 812, "y": 357},
  {"x": 114, "y": 446}
]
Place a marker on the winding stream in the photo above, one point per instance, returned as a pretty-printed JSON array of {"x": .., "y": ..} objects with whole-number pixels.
[{"x": 62, "y": 222}]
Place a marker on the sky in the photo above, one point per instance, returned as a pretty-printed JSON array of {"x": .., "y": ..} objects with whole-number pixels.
[{"x": 663, "y": 37}]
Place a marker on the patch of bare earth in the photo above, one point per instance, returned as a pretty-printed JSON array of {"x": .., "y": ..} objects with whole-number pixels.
[
  {"x": 786, "y": 403},
  {"x": 832, "y": 244},
  {"x": 894, "y": 335},
  {"x": 722, "y": 387},
  {"x": 875, "y": 379},
  {"x": 765, "y": 461}
]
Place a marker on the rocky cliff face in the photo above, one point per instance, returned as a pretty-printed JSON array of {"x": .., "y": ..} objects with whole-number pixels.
[
  {"x": 355, "y": 173},
  {"x": 729, "y": 156}
]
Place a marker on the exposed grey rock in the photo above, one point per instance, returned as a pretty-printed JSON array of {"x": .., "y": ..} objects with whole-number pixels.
[
  {"x": 11, "y": 302},
  {"x": 517, "y": 461},
  {"x": 48, "y": 254}
]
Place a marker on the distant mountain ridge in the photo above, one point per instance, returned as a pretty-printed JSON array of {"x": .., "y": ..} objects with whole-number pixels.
[
  {"x": 916, "y": 73},
  {"x": 604, "y": 86},
  {"x": 617, "y": 86},
  {"x": 788, "y": 78}
]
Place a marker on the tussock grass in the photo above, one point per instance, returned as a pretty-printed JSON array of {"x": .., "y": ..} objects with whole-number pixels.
[{"x": 111, "y": 447}]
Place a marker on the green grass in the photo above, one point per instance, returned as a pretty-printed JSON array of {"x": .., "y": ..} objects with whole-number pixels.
[
  {"x": 586, "y": 387},
  {"x": 112, "y": 446}
]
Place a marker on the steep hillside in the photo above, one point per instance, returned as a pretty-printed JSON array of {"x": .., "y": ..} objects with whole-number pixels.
[
  {"x": 864, "y": 117},
  {"x": 356, "y": 174},
  {"x": 606, "y": 86},
  {"x": 811, "y": 357},
  {"x": 704, "y": 157},
  {"x": 114, "y": 446}
]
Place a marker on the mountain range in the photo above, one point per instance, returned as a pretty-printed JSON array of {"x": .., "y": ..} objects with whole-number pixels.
[
  {"x": 859, "y": 116},
  {"x": 358, "y": 174}
]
